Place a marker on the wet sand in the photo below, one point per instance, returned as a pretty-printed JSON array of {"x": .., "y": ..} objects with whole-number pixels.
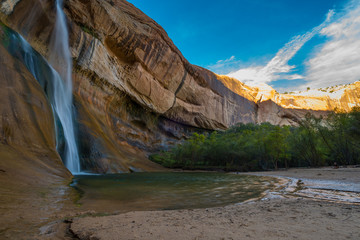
[
  {"x": 292, "y": 211},
  {"x": 342, "y": 174}
]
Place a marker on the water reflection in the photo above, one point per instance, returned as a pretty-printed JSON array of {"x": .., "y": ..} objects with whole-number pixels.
[{"x": 155, "y": 191}]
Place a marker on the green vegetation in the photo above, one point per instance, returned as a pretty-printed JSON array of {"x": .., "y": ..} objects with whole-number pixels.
[
  {"x": 250, "y": 147},
  {"x": 89, "y": 30}
]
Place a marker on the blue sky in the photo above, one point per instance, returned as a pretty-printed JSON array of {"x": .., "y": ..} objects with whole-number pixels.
[{"x": 283, "y": 43}]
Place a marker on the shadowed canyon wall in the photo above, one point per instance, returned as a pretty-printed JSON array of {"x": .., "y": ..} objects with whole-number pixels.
[
  {"x": 135, "y": 93},
  {"x": 27, "y": 125},
  {"x": 30, "y": 167}
]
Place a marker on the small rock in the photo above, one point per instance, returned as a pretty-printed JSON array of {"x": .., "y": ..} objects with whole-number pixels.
[{"x": 331, "y": 215}]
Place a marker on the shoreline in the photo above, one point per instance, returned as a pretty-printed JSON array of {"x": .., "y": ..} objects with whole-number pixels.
[
  {"x": 287, "y": 211},
  {"x": 283, "y": 213},
  {"x": 328, "y": 184}
]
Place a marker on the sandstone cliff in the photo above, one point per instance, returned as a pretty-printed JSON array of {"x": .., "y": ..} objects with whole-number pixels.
[
  {"x": 134, "y": 94},
  {"x": 334, "y": 98},
  {"x": 30, "y": 167},
  {"x": 289, "y": 108},
  {"x": 134, "y": 91}
]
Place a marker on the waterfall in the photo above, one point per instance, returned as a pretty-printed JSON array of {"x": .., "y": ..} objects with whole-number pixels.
[
  {"x": 55, "y": 78},
  {"x": 55, "y": 90},
  {"x": 60, "y": 59}
]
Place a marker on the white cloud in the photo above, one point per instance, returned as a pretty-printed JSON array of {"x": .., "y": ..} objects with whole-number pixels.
[
  {"x": 338, "y": 60},
  {"x": 227, "y": 60},
  {"x": 224, "y": 66},
  {"x": 278, "y": 66},
  {"x": 232, "y": 58}
]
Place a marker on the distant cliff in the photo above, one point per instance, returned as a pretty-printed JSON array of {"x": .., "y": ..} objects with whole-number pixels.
[
  {"x": 134, "y": 91},
  {"x": 288, "y": 108}
]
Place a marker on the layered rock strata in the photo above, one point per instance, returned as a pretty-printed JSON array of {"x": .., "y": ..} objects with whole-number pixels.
[
  {"x": 134, "y": 91},
  {"x": 134, "y": 94},
  {"x": 30, "y": 167}
]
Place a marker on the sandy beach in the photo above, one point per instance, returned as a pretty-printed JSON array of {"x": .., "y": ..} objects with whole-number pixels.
[{"x": 294, "y": 210}]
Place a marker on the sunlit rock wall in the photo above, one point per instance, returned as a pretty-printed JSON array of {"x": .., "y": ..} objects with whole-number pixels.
[{"x": 134, "y": 91}]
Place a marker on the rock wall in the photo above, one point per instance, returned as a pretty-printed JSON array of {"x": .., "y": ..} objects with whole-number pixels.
[
  {"x": 134, "y": 91},
  {"x": 134, "y": 94},
  {"x": 26, "y": 122},
  {"x": 30, "y": 167},
  {"x": 336, "y": 98}
]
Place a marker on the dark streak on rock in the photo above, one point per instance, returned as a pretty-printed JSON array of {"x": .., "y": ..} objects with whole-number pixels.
[{"x": 178, "y": 89}]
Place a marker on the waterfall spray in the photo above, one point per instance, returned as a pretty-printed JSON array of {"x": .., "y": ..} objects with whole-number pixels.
[{"x": 60, "y": 59}]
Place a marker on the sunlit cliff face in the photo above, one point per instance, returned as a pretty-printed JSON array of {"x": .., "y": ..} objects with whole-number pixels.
[{"x": 340, "y": 98}]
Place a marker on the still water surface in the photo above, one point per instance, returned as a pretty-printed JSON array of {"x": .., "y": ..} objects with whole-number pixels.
[{"x": 157, "y": 191}]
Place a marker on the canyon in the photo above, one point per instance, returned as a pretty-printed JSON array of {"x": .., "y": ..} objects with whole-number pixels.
[{"x": 134, "y": 94}]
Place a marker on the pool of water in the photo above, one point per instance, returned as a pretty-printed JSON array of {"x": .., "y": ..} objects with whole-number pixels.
[{"x": 158, "y": 191}]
